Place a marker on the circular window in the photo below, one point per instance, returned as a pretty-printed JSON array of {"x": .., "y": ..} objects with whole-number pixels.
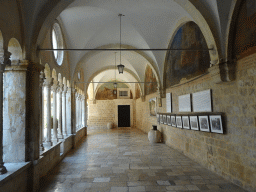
[{"x": 57, "y": 43}]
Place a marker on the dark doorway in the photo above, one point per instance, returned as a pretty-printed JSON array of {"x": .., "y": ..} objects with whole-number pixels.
[{"x": 123, "y": 115}]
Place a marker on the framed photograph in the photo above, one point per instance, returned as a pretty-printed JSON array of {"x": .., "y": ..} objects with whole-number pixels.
[
  {"x": 173, "y": 121},
  {"x": 158, "y": 118},
  {"x": 216, "y": 124},
  {"x": 161, "y": 119},
  {"x": 164, "y": 119},
  {"x": 169, "y": 120},
  {"x": 185, "y": 121},
  {"x": 194, "y": 123},
  {"x": 159, "y": 102},
  {"x": 204, "y": 123},
  {"x": 178, "y": 122},
  {"x": 152, "y": 106}
]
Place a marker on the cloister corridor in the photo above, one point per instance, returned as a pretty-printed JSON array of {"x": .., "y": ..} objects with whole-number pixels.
[{"x": 123, "y": 160}]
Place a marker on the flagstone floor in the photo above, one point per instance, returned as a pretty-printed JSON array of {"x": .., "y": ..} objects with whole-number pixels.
[{"x": 122, "y": 160}]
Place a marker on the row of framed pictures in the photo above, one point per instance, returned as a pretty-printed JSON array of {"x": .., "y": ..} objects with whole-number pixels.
[{"x": 200, "y": 122}]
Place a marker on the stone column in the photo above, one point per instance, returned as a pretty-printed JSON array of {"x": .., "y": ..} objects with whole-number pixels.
[
  {"x": 60, "y": 89},
  {"x": 4, "y": 59},
  {"x": 68, "y": 111},
  {"x": 64, "y": 125},
  {"x": 41, "y": 114},
  {"x": 54, "y": 113},
  {"x": 73, "y": 110},
  {"x": 47, "y": 84}
]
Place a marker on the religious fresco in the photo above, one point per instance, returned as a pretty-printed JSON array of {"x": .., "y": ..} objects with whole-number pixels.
[
  {"x": 150, "y": 77},
  {"x": 245, "y": 30},
  {"x": 186, "y": 64},
  {"x": 137, "y": 91},
  {"x": 106, "y": 91}
]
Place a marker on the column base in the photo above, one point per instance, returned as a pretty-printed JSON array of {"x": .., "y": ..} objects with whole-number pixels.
[
  {"x": 60, "y": 137},
  {"x": 41, "y": 147},
  {"x": 48, "y": 144},
  {"x": 55, "y": 141},
  {"x": 3, "y": 169}
]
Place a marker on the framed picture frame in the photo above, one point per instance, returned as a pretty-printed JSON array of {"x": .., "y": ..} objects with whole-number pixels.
[
  {"x": 158, "y": 118},
  {"x": 216, "y": 124},
  {"x": 169, "y": 120},
  {"x": 185, "y": 121},
  {"x": 173, "y": 121},
  {"x": 204, "y": 123},
  {"x": 178, "y": 122},
  {"x": 161, "y": 119},
  {"x": 194, "y": 123},
  {"x": 164, "y": 120}
]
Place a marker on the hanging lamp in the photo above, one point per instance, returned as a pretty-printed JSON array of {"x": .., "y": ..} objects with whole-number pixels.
[{"x": 120, "y": 66}]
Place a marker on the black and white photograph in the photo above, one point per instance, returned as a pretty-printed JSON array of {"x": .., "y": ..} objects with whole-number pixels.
[
  {"x": 161, "y": 119},
  {"x": 173, "y": 121},
  {"x": 194, "y": 123},
  {"x": 169, "y": 120},
  {"x": 178, "y": 122},
  {"x": 216, "y": 124},
  {"x": 158, "y": 118},
  {"x": 164, "y": 120},
  {"x": 204, "y": 123},
  {"x": 185, "y": 121}
]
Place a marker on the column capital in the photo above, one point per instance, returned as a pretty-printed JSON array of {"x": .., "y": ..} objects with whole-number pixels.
[
  {"x": 48, "y": 82},
  {"x": 55, "y": 86},
  {"x": 41, "y": 79},
  {"x": 60, "y": 88}
]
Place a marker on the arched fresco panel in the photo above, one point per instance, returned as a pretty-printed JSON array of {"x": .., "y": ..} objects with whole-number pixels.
[
  {"x": 106, "y": 91},
  {"x": 150, "y": 77},
  {"x": 183, "y": 63},
  {"x": 245, "y": 30}
]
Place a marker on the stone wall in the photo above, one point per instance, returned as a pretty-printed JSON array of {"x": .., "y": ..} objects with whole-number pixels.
[
  {"x": 105, "y": 111},
  {"x": 233, "y": 154}
]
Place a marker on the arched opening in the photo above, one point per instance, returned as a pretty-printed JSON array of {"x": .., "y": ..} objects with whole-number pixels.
[{"x": 16, "y": 52}]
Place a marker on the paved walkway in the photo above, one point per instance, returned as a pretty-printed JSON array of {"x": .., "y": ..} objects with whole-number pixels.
[{"x": 124, "y": 161}]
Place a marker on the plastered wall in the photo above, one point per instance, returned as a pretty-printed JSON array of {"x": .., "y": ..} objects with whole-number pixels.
[{"x": 233, "y": 154}]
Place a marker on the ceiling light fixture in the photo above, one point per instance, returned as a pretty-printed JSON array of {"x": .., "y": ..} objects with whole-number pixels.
[{"x": 120, "y": 67}]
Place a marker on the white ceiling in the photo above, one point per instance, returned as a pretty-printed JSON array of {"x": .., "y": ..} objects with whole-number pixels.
[{"x": 146, "y": 24}]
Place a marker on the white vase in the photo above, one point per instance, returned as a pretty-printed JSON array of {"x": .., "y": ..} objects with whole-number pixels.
[{"x": 154, "y": 136}]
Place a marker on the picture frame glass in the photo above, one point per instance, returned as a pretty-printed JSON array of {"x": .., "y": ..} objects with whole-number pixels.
[
  {"x": 173, "y": 121},
  {"x": 185, "y": 121},
  {"x": 204, "y": 123},
  {"x": 194, "y": 123},
  {"x": 169, "y": 120},
  {"x": 216, "y": 124},
  {"x": 164, "y": 119},
  {"x": 178, "y": 122}
]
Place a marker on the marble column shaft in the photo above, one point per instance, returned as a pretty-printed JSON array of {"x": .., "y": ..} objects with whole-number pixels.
[
  {"x": 47, "y": 84},
  {"x": 41, "y": 106},
  {"x": 73, "y": 110},
  {"x": 4, "y": 59},
  {"x": 54, "y": 112},
  {"x": 68, "y": 111},
  {"x": 64, "y": 124},
  {"x": 60, "y": 89}
]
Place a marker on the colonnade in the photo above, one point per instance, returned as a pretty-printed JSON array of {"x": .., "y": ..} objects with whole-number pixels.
[{"x": 80, "y": 110}]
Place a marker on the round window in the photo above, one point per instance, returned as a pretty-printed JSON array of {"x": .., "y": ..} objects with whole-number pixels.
[{"x": 57, "y": 43}]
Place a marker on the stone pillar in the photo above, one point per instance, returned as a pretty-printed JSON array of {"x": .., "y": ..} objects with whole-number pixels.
[
  {"x": 41, "y": 114},
  {"x": 64, "y": 124},
  {"x": 54, "y": 112},
  {"x": 4, "y": 59},
  {"x": 60, "y": 89},
  {"x": 83, "y": 111},
  {"x": 68, "y": 111},
  {"x": 14, "y": 120},
  {"x": 73, "y": 110},
  {"x": 76, "y": 109},
  {"x": 47, "y": 84}
]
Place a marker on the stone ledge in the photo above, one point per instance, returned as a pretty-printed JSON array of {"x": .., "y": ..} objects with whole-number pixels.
[
  {"x": 13, "y": 169},
  {"x": 81, "y": 129},
  {"x": 44, "y": 153}
]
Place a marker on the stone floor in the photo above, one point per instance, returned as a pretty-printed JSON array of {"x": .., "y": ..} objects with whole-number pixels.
[{"x": 124, "y": 161}]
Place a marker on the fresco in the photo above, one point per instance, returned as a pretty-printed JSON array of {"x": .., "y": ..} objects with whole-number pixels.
[
  {"x": 245, "y": 30},
  {"x": 186, "y": 64},
  {"x": 150, "y": 77},
  {"x": 152, "y": 106},
  {"x": 106, "y": 91},
  {"x": 137, "y": 91}
]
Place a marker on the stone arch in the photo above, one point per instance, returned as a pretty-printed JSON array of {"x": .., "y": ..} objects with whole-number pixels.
[
  {"x": 60, "y": 78},
  {"x": 182, "y": 22},
  {"x": 54, "y": 75},
  {"x": 113, "y": 67},
  {"x": 16, "y": 52},
  {"x": 90, "y": 54},
  {"x": 47, "y": 71}
]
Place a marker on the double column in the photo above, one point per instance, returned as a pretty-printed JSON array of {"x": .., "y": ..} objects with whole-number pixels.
[
  {"x": 55, "y": 87},
  {"x": 60, "y": 90},
  {"x": 64, "y": 109},
  {"x": 48, "y": 82},
  {"x": 4, "y": 59}
]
